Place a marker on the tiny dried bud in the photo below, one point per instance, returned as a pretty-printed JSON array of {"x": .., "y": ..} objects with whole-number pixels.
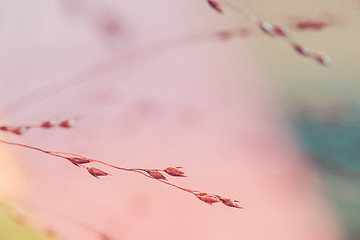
[
  {"x": 155, "y": 174},
  {"x": 174, "y": 172},
  {"x": 96, "y": 172},
  {"x": 323, "y": 60},
  {"x": 78, "y": 160},
  {"x": 303, "y": 50},
  {"x": 48, "y": 124},
  {"x": 215, "y": 6},
  {"x": 207, "y": 197},
  {"x": 4, "y": 128},
  {"x": 266, "y": 27},
  {"x": 67, "y": 123},
  {"x": 19, "y": 130},
  {"x": 282, "y": 31},
  {"x": 311, "y": 25},
  {"x": 230, "y": 202}
]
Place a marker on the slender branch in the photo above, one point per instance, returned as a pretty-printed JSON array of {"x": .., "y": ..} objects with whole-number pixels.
[
  {"x": 155, "y": 174},
  {"x": 274, "y": 30}
]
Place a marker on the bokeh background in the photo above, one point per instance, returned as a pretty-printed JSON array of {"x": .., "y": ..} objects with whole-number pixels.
[{"x": 247, "y": 117}]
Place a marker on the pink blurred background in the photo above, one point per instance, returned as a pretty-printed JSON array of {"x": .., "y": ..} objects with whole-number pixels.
[{"x": 207, "y": 106}]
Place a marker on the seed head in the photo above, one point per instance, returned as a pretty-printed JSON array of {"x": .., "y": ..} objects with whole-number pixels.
[
  {"x": 174, "y": 171},
  {"x": 303, "y": 50},
  {"x": 48, "y": 124},
  {"x": 230, "y": 202},
  {"x": 78, "y": 160},
  {"x": 215, "y": 6},
  {"x": 207, "y": 197},
  {"x": 155, "y": 174},
  {"x": 323, "y": 60},
  {"x": 315, "y": 25},
  {"x": 282, "y": 31},
  {"x": 4, "y": 128},
  {"x": 67, "y": 123},
  {"x": 96, "y": 172},
  {"x": 266, "y": 27},
  {"x": 20, "y": 130}
]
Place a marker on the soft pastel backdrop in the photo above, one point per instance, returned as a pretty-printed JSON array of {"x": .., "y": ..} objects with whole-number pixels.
[{"x": 224, "y": 110}]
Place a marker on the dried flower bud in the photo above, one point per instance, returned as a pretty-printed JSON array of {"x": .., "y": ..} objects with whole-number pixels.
[
  {"x": 155, "y": 174},
  {"x": 215, "y": 6},
  {"x": 67, "y": 123},
  {"x": 230, "y": 202},
  {"x": 323, "y": 60},
  {"x": 311, "y": 25},
  {"x": 48, "y": 124},
  {"x": 4, "y": 128},
  {"x": 303, "y": 50},
  {"x": 174, "y": 171},
  {"x": 78, "y": 160},
  {"x": 207, "y": 197},
  {"x": 282, "y": 31},
  {"x": 266, "y": 27},
  {"x": 96, "y": 172},
  {"x": 20, "y": 130}
]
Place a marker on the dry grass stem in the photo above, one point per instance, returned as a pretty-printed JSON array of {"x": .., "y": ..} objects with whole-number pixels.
[
  {"x": 20, "y": 130},
  {"x": 275, "y": 30},
  {"x": 155, "y": 174}
]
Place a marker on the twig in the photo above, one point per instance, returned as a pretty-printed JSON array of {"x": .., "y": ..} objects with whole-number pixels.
[
  {"x": 273, "y": 30},
  {"x": 156, "y": 174}
]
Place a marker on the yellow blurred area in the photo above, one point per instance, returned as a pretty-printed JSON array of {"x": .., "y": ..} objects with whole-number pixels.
[
  {"x": 11, "y": 178},
  {"x": 11, "y": 186},
  {"x": 339, "y": 41},
  {"x": 11, "y": 230}
]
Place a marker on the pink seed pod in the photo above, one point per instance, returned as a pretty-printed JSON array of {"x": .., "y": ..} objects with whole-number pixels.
[
  {"x": 303, "y": 50},
  {"x": 266, "y": 27},
  {"x": 174, "y": 171},
  {"x": 207, "y": 197},
  {"x": 282, "y": 31},
  {"x": 323, "y": 60},
  {"x": 20, "y": 130},
  {"x": 230, "y": 202},
  {"x": 78, "y": 160},
  {"x": 4, "y": 128},
  {"x": 49, "y": 124},
  {"x": 97, "y": 172},
  {"x": 67, "y": 123},
  {"x": 215, "y": 6},
  {"x": 155, "y": 174},
  {"x": 314, "y": 25}
]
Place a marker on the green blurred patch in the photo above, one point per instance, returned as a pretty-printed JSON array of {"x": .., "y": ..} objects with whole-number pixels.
[
  {"x": 11, "y": 230},
  {"x": 334, "y": 146}
]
